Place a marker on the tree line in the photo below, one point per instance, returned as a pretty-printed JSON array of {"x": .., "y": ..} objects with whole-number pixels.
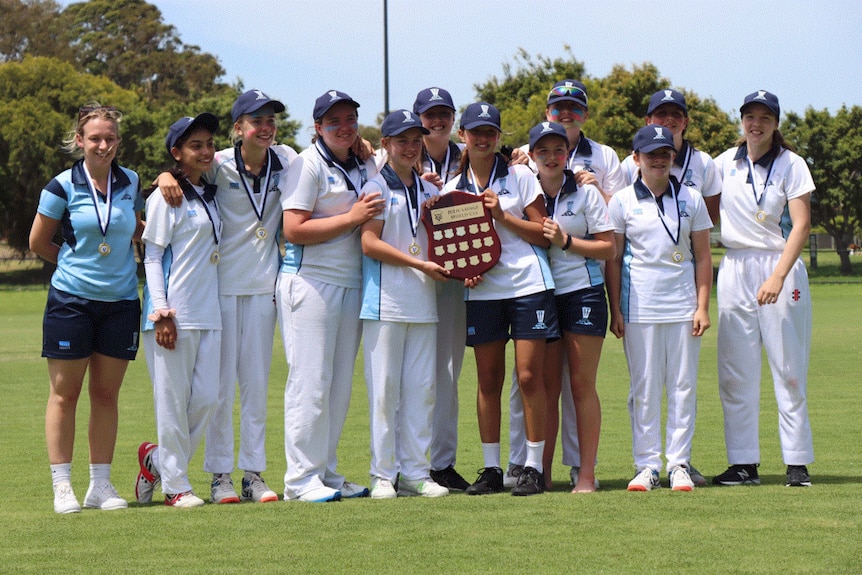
[{"x": 121, "y": 52}]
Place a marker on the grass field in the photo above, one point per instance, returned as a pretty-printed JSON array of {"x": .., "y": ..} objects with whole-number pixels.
[{"x": 766, "y": 529}]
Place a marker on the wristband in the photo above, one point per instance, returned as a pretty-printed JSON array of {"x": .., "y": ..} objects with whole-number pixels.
[{"x": 568, "y": 243}]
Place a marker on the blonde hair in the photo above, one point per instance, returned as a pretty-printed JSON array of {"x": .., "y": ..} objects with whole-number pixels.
[{"x": 90, "y": 111}]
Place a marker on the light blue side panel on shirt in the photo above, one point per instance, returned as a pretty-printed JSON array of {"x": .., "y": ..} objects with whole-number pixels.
[
  {"x": 371, "y": 271},
  {"x": 292, "y": 260},
  {"x": 626, "y": 279}
]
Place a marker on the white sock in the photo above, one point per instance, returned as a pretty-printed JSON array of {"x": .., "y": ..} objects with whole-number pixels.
[
  {"x": 491, "y": 454},
  {"x": 535, "y": 450},
  {"x": 61, "y": 472},
  {"x": 100, "y": 473}
]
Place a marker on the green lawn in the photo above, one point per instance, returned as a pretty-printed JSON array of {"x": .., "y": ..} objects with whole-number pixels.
[{"x": 766, "y": 529}]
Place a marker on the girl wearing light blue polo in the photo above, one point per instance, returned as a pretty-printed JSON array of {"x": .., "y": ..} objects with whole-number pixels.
[{"x": 92, "y": 316}]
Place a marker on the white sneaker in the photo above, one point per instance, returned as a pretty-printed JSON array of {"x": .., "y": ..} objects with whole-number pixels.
[
  {"x": 254, "y": 488},
  {"x": 64, "y": 499},
  {"x": 645, "y": 480},
  {"x": 352, "y": 490},
  {"x": 680, "y": 480},
  {"x": 513, "y": 472},
  {"x": 184, "y": 500},
  {"x": 221, "y": 489},
  {"x": 382, "y": 489},
  {"x": 423, "y": 487},
  {"x": 103, "y": 496},
  {"x": 321, "y": 494}
]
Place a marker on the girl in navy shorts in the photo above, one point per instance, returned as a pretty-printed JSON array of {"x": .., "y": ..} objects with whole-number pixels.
[
  {"x": 514, "y": 299},
  {"x": 580, "y": 234},
  {"x": 92, "y": 316}
]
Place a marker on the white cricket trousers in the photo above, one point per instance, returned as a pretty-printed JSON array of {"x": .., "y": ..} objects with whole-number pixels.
[
  {"x": 661, "y": 356},
  {"x": 321, "y": 332},
  {"x": 399, "y": 373},
  {"x": 185, "y": 394},
  {"x": 784, "y": 330},
  {"x": 248, "y": 330},
  {"x": 450, "y": 345}
]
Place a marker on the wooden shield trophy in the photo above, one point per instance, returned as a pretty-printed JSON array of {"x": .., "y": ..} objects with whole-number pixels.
[{"x": 461, "y": 235}]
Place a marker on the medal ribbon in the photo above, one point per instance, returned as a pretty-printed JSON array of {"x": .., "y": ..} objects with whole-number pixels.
[
  {"x": 333, "y": 163},
  {"x": 752, "y": 176},
  {"x": 104, "y": 222},
  {"x": 476, "y": 189},
  {"x": 674, "y": 193},
  {"x": 394, "y": 181},
  {"x": 260, "y": 207}
]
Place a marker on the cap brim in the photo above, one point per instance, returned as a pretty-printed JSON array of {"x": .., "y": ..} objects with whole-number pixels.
[
  {"x": 653, "y": 147},
  {"x": 479, "y": 123}
]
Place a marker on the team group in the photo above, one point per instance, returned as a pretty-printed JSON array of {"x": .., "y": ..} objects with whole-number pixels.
[{"x": 587, "y": 243}]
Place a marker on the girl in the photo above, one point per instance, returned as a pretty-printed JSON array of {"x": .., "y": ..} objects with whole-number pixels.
[
  {"x": 514, "y": 299},
  {"x": 658, "y": 286},
  {"x": 183, "y": 336},
  {"x": 580, "y": 233},
  {"x": 318, "y": 295},
  {"x": 93, "y": 312},
  {"x": 440, "y": 158},
  {"x": 399, "y": 314},
  {"x": 765, "y": 220},
  {"x": 250, "y": 179}
]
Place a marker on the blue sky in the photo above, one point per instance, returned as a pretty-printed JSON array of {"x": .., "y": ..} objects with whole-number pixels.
[{"x": 808, "y": 53}]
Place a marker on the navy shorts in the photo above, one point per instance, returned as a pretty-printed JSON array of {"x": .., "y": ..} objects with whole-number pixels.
[
  {"x": 531, "y": 316},
  {"x": 584, "y": 311},
  {"x": 74, "y": 327}
]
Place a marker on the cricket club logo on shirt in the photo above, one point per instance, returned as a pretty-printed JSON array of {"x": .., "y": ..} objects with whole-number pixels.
[
  {"x": 435, "y": 95},
  {"x": 588, "y": 166},
  {"x": 569, "y": 212},
  {"x": 484, "y": 113},
  {"x": 540, "y": 320},
  {"x": 686, "y": 178},
  {"x": 682, "y": 212},
  {"x": 585, "y": 316}
]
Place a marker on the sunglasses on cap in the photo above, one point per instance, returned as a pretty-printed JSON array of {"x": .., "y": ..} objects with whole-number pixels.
[{"x": 566, "y": 91}]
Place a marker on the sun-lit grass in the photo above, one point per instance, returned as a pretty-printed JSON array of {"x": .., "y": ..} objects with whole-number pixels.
[{"x": 766, "y": 529}]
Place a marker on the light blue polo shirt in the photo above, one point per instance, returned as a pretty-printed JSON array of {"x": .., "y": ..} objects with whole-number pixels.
[{"x": 81, "y": 270}]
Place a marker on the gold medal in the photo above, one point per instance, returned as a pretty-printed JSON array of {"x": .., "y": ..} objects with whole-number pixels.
[
  {"x": 677, "y": 256},
  {"x": 261, "y": 233},
  {"x": 215, "y": 257},
  {"x": 760, "y": 216},
  {"x": 414, "y": 249},
  {"x": 104, "y": 249}
]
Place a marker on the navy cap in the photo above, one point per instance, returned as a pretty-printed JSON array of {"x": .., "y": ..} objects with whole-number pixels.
[
  {"x": 183, "y": 125},
  {"x": 252, "y": 101},
  {"x": 663, "y": 97},
  {"x": 651, "y": 138},
  {"x": 328, "y": 100},
  {"x": 539, "y": 131},
  {"x": 431, "y": 97},
  {"x": 570, "y": 90},
  {"x": 768, "y": 99},
  {"x": 480, "y": 114},
  {"x": 400, "y": 121}
]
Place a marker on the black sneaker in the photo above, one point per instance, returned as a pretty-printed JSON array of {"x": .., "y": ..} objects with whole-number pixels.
[
  {"x": 797, "y": 476},
  {"x": 531, "y": 482},
  {"x": 696, "y": 476},
  {"x": 738, "y": 475},
  {"x": 449, "y": 478},
  {"x": 490, "y": 480}
]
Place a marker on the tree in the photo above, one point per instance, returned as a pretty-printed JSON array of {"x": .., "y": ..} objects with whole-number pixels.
[
  {"x": 832, "y": 146},
  {"x": 39, "y": 100},
  {"x": 29, "y": 27},
  {"x": 617, "y": 107},
  {"x": 127, "y": 41}
]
